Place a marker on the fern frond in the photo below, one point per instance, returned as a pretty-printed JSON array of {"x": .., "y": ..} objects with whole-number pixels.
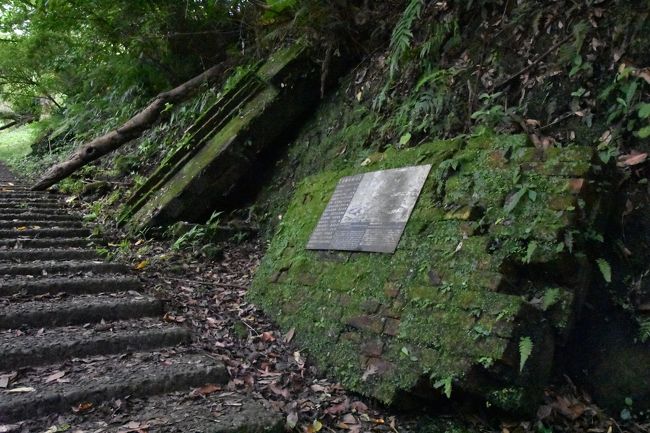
[
  {"x": 551, "y": 296},
  {"x": 644, "y": 330},
  {"x": 402, "y": 35},
  {"x": 525, "y": 350}
]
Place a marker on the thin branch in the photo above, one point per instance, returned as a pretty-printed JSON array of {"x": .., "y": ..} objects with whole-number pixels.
[
  {"x": 531, "y": 64},
  {"x": 51, "y": 99},
  {"x": 8, "y": 125}
]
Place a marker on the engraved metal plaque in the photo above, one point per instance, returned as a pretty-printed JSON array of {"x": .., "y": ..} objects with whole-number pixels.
[{"x": 368, "y": 212}]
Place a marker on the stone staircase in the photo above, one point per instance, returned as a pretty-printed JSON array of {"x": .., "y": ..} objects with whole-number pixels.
[{"x": 76, "y": 331}]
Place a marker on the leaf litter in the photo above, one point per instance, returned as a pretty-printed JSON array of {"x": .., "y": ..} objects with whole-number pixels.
[{"x": 263, "y": 362}]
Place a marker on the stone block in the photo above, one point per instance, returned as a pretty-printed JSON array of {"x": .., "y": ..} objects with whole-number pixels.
[
  {"x": 373, "y": 348},
  {"x": 391, "y": 327},
  {"x": 370, "y": 306},
  {"x": 306, "y": 278},
  {"x": 381, "y": 366},
  {"x": 372, "y": 324},
  {"x": 353, "y": 337},
  {"x": 391, "y": 289},
  {"x": 391, "y": 312}
]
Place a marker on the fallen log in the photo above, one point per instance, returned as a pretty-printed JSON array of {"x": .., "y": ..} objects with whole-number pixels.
[{"x": 133, "y": 128}]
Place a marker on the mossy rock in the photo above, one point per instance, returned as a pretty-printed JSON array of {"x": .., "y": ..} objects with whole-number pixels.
[
  {"x": 451, "y": 305},
  {"x": 217, "y": 154}
]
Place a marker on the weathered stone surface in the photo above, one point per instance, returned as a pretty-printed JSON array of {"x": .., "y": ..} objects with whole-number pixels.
[
  {"x": 223, "y": 145},
  {"x": 463, "y": 288},
  {"x": 82, "y": 319},
  {"x": 136, "y": 376},
  {"x": 58, "y": 344}
]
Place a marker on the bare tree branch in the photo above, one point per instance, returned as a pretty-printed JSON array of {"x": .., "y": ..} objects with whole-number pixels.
[{"x": 133, "y": 128}]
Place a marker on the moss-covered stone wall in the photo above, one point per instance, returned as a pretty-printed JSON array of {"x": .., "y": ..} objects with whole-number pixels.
[{"x": 489, "y": 261}]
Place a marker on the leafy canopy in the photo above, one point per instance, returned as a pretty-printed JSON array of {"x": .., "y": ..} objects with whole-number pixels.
[{"x": 78, "y": 51}]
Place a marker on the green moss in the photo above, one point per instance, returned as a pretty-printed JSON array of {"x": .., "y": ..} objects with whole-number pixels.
[
  {"x": 279, "y": 60},
  {"x": 508, "y": 398},
  {"x": 447, "y": 315},
  {"x": 229, "y": 134}
]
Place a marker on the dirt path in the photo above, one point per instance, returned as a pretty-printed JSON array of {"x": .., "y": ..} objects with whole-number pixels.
[{"x": 79, "y": 338}]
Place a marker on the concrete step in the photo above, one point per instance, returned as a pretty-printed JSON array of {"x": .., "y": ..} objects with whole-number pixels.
[
  {"x": 49, "y": 210},
  {"x": 44, "y": 233},
  {"x": 21, "y": 194},
  {"x": 219, "y": 412},
  {"x": 29, "y": 216},
  {"x": 48, "y": 254},
  {"x": 71, "y": 268},
  {"x": 12, "y": 224},
  {"x": 51, "y": 345},
  {"x": 73, "y": 286},
  {"x": 12, "y": 187},
  {"x": 13, "y": 202},
  {"x": 45, "y": 243},
  {"x": 77, "y": 310},
  {"x": 93, "y": 381},
  {"x": 30, "y": 205}
]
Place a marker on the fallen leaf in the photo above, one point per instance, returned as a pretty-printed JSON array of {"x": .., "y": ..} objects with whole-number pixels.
[
  {"x": 82, "y": 407},
  {"x": 21, "y": 228},
  {"x": 631, "y": 159},
  {"x": 606, "y": 137},
  {"x": 359, "y": 407},
  {"x": 292, "y": 419},
  {"x": 60, "y": 428},
  {"x": 268, "y": 336},
  {"x": 143, "y": 264},
  {"x": 349, "y": 419},
  {"x": 298, "y": 358},
  {"x": 289, "y": 335},
  {"x": 208, "y": 389},
  {"x": 643, "y": 73},
  {"x": 54, "y": 376},
  {"x": 372, "y": 369},
  {"x": 176, "y": 319},
  {"x": 5, "y": 379},
  {"x": 278, "y": 390},
  {"x": 317, "y": 388},
  {"x": 134, "y": 426},
  {"x": 569, "y": 409},
  {"x": 22, "y": 389},
  {"x": 316, "y": 426},
  {"x": 338, "y": 408},
  {"x": 575, "y": 185}
]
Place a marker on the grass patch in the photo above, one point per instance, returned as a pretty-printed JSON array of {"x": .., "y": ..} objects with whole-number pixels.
[{"x": 16, "y": 142}]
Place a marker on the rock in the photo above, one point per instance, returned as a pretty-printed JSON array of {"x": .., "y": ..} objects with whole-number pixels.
[{"x": 451, "y": 306}]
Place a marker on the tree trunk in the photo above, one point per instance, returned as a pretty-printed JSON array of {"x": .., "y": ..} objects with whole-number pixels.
[{"x": 133, "y": 128}]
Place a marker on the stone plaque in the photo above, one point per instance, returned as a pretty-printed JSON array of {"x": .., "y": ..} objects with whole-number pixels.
[{"x": 368, "y": 212}]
